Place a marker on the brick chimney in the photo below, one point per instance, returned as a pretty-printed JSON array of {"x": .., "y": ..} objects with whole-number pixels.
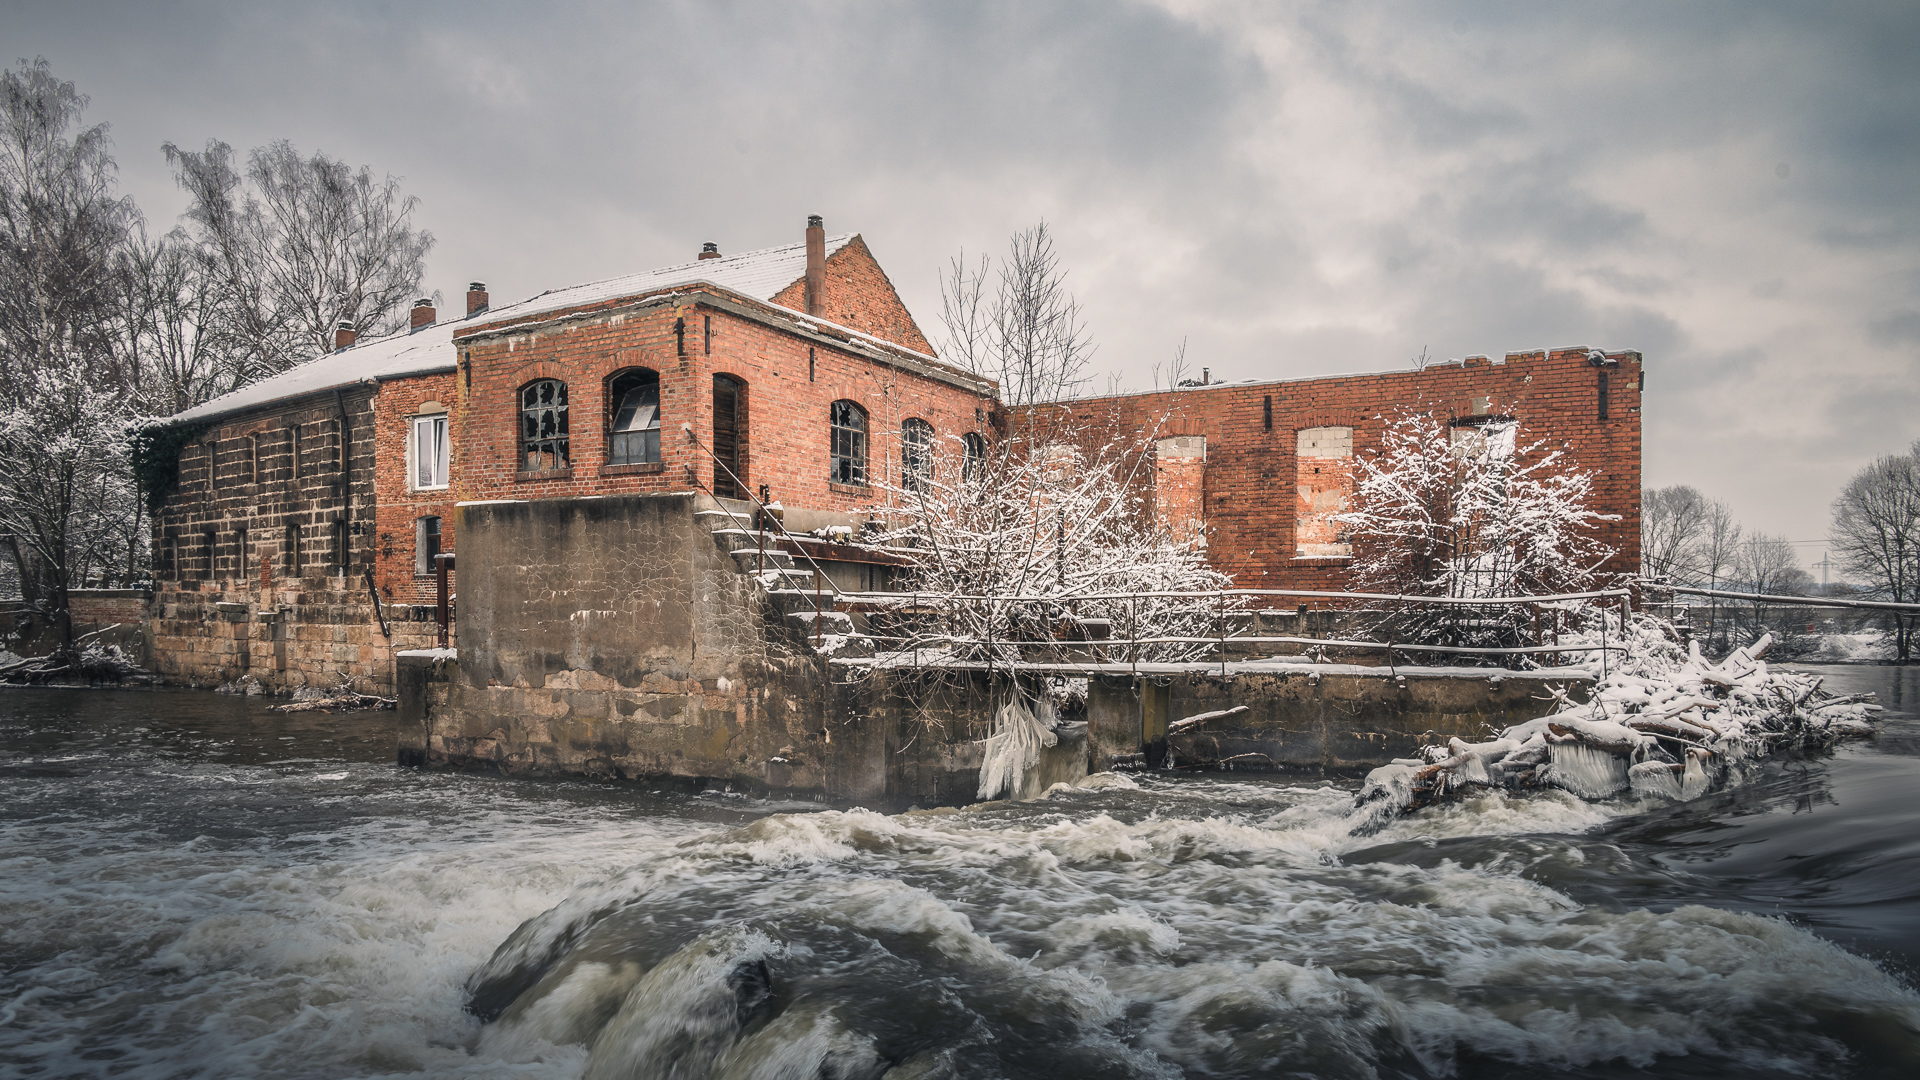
[
  {"x": 343, "y": 335},
  {"x": 709, "y": 250},
  {"x": 476, "y": 298},
  {"x": 422, "y": 313},
  {"x": 816, "y": 264}
]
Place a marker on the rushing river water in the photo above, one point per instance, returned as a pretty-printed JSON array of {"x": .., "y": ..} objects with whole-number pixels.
[{"x": 192, "y": 886}]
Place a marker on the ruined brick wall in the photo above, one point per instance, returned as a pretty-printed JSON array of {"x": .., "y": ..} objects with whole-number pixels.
[
  {"x": 790, "y": 380},
  {"x": 279, "y": 593},
  {"x": 861, "y": 296},
  {"x": 1259, "y": 487}
]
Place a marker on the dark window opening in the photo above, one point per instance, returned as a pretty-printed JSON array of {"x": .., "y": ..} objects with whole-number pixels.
[
  {"x": 253, "y": 459},
  {"x": 809, "y": 364},
  {"x": 974, "y": 463},
  {"x": 848, "y": 427},
  {"x": 426, "y": 544},
  {"x": 1603, "y": 395},
  {"x": 634, "y": 430},
  {"x": 680, "y": 337},
  {"x": 544, "y": 439},
  {"x": 340, "y": 546},
  {"x": 707, "y": 330},
  {"x": 292, "y": 550},
  {"x": 240, "y": 567},
  {"x": 916, "y": 455},
  {"x": 1266, "y": 408},
  {"x": 729, "y": 417}
]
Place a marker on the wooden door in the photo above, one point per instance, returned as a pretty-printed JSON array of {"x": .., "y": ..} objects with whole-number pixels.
[{"x": 728, "y": 402}]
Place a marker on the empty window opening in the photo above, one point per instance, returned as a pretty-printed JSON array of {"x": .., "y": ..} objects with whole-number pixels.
[
  {"x": 707, "y": 330},
  {"x": 916, "y": 455},
  {"x": 429, "y": 450},
  {"x": 809, "y": 364},
  {"x": 1266, "y": 410},
  {"x": 1324, "y": 488},
  {"x": 290, "y": 550},
  {"x": 680, "y": 337},
  {"x": 1603, "y": 395},
  {"x": 544, "y": 439},
  {"x": 729, "y": 420},
  {"x": 340, "y": 546},
  {"x": 973, "y": 447},
  {"x": 426, "y": 544},
  {"x": 848, "y": 428},
  {"x": 241, "y": 566},
  {"x": 634, "y": 430}
]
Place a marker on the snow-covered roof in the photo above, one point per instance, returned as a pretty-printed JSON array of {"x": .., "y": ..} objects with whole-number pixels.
[
  {"x": 427, "y": 349},
  {"x": 761, "y": 274}
]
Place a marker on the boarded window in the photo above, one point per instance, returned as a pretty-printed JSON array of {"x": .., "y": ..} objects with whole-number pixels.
[
  {"x": 1323, "y": 465},
  {"x": 426, "y": 544},
  {"x": 847, "y": 428},
  {"x": 634, "y": 429},
  {"x": 544, "y": 439}
]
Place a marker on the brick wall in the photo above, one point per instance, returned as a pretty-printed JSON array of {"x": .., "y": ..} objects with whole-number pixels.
[
  {"x": 1254, "y": 477},
  {"x": 860, "y": 295},
  {"x": 398, "y": 504},
  {"x": 790, "y": 380}
]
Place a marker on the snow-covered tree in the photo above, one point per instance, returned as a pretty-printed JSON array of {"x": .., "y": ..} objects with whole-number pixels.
[{"x": 1471, "y": 510}]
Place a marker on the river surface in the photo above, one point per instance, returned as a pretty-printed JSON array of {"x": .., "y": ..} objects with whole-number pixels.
[{"x": 193, "y": 886}]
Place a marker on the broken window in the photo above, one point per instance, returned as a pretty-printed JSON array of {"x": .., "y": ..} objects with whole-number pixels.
[
  {"x": 1323, "y": 467},
  {"x": 426, "y": 544},
  {"x": 848, "y": 426},
  {"x": 916, "y": 454},
  {"x": 973, "y": 447},
  {"x": 543, "y": 426},
  {"x": 429, "y": 451},
  {"x": 634, "y": 431}
]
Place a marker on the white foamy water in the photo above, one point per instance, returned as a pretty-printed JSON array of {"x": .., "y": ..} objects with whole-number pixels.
[{"x": 227, "y": 901}]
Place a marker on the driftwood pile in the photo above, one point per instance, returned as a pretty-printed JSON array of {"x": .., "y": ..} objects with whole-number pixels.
[
  {"x": 84, "y": 660},
  {"x": 1665, "y": 724},
  {"x": 341, "y": 698}
]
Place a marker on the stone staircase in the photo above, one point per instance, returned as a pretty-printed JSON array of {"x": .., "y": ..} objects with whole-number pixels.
[{"x": 792, "y": 587}]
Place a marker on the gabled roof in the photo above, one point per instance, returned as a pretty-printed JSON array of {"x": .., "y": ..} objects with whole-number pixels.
[
  {"x": 761, "y": 275},
  {"x": 428, "y": 349}
]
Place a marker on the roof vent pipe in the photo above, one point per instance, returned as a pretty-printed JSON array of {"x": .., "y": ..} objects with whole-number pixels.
[
  {"x": 816, "y": 265},
  {"x": 476, "y": 298},
  {"x": 343, "y": 335},
  {"x": 423, "y": 313},
  {"x": 709, "y": 250}
]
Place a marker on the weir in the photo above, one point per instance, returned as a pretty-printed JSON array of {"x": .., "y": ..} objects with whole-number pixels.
[{"x": 654, "y": 638}]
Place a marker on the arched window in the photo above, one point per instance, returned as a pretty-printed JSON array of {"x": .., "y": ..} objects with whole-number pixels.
[
  {"x": 916, "y": 454},
  {"x": 634, "y": 429},
  {"x": 543, "y": 426},
  {"x": 848, "y": 464},
  {"x": 974, "y": 448}
]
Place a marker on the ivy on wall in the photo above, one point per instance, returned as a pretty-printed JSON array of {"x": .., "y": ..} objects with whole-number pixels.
[{"x": 156, "y": 459}]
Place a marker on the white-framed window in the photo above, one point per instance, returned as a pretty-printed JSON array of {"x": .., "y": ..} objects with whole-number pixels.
[{"x": 428, "y": 448}]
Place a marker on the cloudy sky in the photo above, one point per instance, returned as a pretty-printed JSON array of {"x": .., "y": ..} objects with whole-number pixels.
[{"x": 1290, "y": 188}]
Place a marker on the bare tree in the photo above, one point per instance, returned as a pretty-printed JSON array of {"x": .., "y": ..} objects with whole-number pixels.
[
  {"x": 301, "y": 244},
  {"x": 176, "y": 347},
  {"x": 1876, "y": 533},
  {"x": 1672, "y": 523},
  {"x": 1766, "y": 563}
]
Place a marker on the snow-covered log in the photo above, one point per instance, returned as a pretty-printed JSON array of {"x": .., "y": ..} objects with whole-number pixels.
[{"x": 1664, "y": 722}]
